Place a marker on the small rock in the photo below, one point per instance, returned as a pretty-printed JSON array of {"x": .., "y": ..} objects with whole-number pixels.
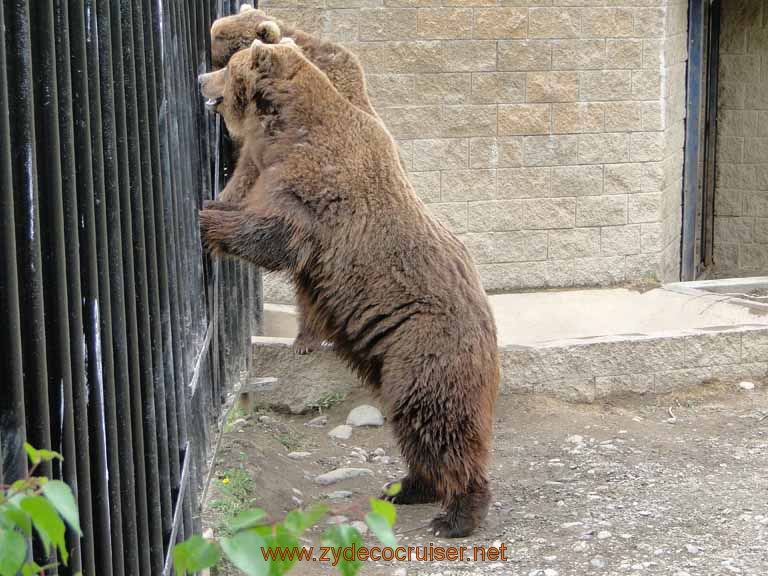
[
  {"x": 550, "y": 572},
  {"x": 691, "y": 549},
  {"x": 365, "y": 415},
  {"x": 400, "y": 572},
  {"x": 297, "y": 492},
  {"x": 603, "y": 535},
  {"x": 266, "y": 420},
  {"x": 547, "y": 558},
  {"x": 239, "y": 423},
  {"x": 382, "y": 459},
  {"x": 597, "y": 562},
  {"x": 341, "y": 432},
  {"x": 682, "y": 573},
  {"x": 339, "y": 494},
  {"x": 746, "y": 385},
  {"x": 299, "y": 455},
  {"x": 580, "y": 547},
  {"x": 360, "y": 526},
  {"x": 318, "y": 422},
  {"x": 575, "y": 439},
  {"x": 341, "y": 474},
  {"x": 297, "y": 501},
  {"x": 379, "y": 452},
  {"x": 337, "y": 520}
]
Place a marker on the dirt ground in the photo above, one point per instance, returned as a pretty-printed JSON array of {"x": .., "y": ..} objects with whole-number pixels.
[{"x": 673, "y": 485}]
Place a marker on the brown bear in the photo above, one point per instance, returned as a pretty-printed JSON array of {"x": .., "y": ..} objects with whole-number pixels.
[
  {"x": 232, "y": 33},
  {"x": 395, "y": 291}
]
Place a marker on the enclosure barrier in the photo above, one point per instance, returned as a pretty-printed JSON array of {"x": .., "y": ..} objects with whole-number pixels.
[{"x": 118, "y": 341}]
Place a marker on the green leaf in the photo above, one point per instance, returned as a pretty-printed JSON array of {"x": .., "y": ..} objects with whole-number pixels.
[
  {"x": 60, "y": 495},
  {"x": 393, "y": 488},
  {"x": 247, "y": 519},
  {"x": 15, "y": 517},
  {"x": 36, "y": 456},
  {"x": 386, "y": 509},
  {"x": 244, "y": 550},
  {"x": 381, "y": 528},
  {"x": 341, "y": 537},
  {"x": 297, "y": 521},
  {"x": 282, "y": 540},
  {"x": 194, "y": 555},
  {"x": 13, "y": 552},
  {"x": 47, "y": 523}
]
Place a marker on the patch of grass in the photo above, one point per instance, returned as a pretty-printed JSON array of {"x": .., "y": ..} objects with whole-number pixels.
[
  {"x": 328, "y": 400},
  {"x": 235, "y": 486},
  {"x": 234, "y": 414},
  {"x": 291, "y": 441}
]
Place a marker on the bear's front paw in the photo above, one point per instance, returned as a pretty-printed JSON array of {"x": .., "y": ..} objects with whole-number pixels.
[{"x": 215, "y": 229}]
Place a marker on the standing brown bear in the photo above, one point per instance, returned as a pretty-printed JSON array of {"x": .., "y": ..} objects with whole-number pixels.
[
  {"x": 230, "y": 34},
  {"x": 394, "y": 290}
]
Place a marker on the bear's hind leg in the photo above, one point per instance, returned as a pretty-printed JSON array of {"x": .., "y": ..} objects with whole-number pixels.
[{"x": 463, "y": 513}]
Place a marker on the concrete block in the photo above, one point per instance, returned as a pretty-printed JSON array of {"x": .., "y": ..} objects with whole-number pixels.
[
  {"x": 623, "y": 53},
  {"x": 712, "y": 349},
  {"x": 577, "y": 181},
  {"x": 464, "y": 120},
  {"x": 554, "y": 22},
  {"x": 387, "y": 24},
  {"x": 574, "y": 243},
  {"x": 445, "y": 88},
  {"x": 551, "y": 150},
  {"x": 498, "y": 87},
  {"x": 440, "y": 154},
  {"x": 546, "y": 213},
  {"x": 523, "y": 182},
  {"x": 516, "y": 246},
  {"x": 523, "y": 119},
  {"x": 579, "y": 54},
  {"x": 578, "y": 117},
  {"x": 623, "y": 116},
  {"x": 606, "y": 22},
  {"x": 525, "y": 55},
  {"x": 498, "y": 23},
  {"x": 555, "y": 86},
  {"x": 463, "y": 185},
  {"x": 496, "y": 215},
  {"x": 444, "y": 23},
  {"x": 412, "y": 121},
  {"x": 605, "y": 85},
  {"x": 426, "y": 185},
  {"x": 620, "y": 240},
  {"x": 599, "y": 271},
  {"x": 604, "y": 148},
  {"x": 469, "y": 55},
  {"x": 495, "y": 152}
]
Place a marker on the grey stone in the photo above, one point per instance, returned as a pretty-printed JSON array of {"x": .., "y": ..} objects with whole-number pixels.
[
  {"x": 745, "y": 385},
  {"x": 341, "y": 432},
  {"x": 365, "y": 415},
  {"x": 299, "y": 455},
  {"x": 339, "y": 494},
  {"x": 379, "y": 452},
  {"x": 341, "y": 474},
  {"x": 603, "y": 535},
  {"x": 318, "y": 422}
]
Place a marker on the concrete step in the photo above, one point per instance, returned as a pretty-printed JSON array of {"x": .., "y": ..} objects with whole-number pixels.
[{"x": 577, "y": 345}]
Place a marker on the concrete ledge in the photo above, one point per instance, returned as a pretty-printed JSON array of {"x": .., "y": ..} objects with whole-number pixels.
[{"x": 580, "y": 369}]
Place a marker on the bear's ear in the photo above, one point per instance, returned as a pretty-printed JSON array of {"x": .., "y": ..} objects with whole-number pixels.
[{"x": 246, "y": 8}]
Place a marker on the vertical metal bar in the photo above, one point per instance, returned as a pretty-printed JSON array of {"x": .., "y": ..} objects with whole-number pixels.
[
  {"x": 12, "y": 426},
  {"x": 146, "y": 257},
  {"x": 27, "y": 221},
  {"x": 117, "y": 195},
  {"x": 691, "y": 181},
  {"x": 710, "y": 134},
  {"x": 135, "y": 270}
]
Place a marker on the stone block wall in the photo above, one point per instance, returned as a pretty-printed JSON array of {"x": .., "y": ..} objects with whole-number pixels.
[
  {"x": 741, "y": 196},
  {"x": 546, "y": 133}
]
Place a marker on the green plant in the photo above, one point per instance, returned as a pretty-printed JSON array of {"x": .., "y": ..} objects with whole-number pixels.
[
  {"x": 234, "y": 486},
  {"x": 259, "y": 549},
  {"x": 328, "y": 400},
  {"x": 35, "y": 501}
]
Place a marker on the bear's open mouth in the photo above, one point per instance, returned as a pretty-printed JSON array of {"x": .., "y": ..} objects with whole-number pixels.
[{"x": 212, "y": 104}]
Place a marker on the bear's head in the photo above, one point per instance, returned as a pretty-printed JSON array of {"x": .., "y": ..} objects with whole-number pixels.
[
  {"x": 243, "y": 92},
  {"x": 231, "y": 34}
]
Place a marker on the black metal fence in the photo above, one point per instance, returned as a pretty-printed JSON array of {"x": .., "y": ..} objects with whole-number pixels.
[{"x": 118, "y": 340}]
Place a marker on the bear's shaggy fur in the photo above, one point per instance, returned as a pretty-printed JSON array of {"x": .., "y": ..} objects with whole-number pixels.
[
  {"x": 395, "y": 291},
  {"x": 232, "y": 33}
]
